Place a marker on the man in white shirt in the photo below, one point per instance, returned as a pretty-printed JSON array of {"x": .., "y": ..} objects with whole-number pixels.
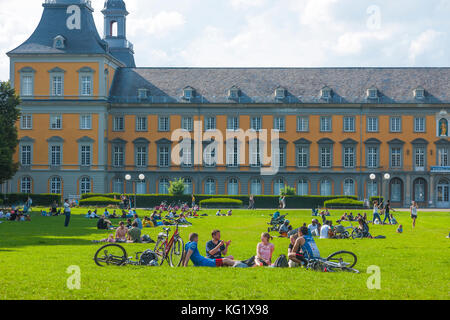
[
  {"x": 313, "y": 227},
  {"x": 67, "y": 212},
  {"x": 325, "y": 230}
]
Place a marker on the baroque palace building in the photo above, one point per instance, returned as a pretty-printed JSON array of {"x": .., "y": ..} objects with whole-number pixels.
[{"x": 90, "y": 116}]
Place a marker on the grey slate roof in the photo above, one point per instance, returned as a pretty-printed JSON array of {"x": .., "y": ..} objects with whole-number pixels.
[
  {"x": 53, "y": 23},
  {"x": 303, "y": 85}
]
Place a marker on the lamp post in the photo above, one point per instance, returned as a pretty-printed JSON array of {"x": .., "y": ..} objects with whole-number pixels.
[{"x": 141, "y": 178}]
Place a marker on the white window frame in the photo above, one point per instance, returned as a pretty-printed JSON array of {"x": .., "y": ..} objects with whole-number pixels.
[
  {"x": 26, "y": 185},
  {"x": 26, "y": 155},
  {"x": 302, "y": 124},
  {"x": 55, "y": 122},
  {"x": 86, "y": 155},
  {"x": 256, "y": 123},
  {"x": 372, "y": 124},
  {"x": 85, "y": 122},
  {"x": 164, "y": 123},
  {"x": 349, "y": 157},
  {"x": 349, "y": 124},
  {"x": 326, "y": 124},
  {"x": 118, "y": 123},
  {"x": 187, "y": 124},
  {"x": 419, "y": 124},
  {"x": 141, "y": 123},
  {"x": 395, "y": 124},
  {"x": 26, "y": 121}
]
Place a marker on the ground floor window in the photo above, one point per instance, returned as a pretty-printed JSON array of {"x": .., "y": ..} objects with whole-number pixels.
[
  {"x": 325, "y": 187},
  {"x": 420, "y": 190},
  {"x": 278, "y": 186},
  {"x": 25, "y": 185},
  {"x": 255, "y": 187},
  {"x": 210, "y": 186},
  {"x": 233, "y": 187},
  {"x": 188, "y": 189},
  {"x": 118, "y": 186},
  {"x": 55, "y": 185},
  {"x": 163, "y": 186},
  {"x": 396, "y": 190},
  {"x": 85, "y": 185},
  {"x": 302, "y": 187}
]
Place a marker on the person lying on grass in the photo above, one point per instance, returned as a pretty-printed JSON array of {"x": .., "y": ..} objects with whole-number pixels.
[
  {"x": 217, "y": 248},
  {"x": 302, "y": 246},
  {"x": 198, "y": 260},
  {"x": 264, "y": 251}
]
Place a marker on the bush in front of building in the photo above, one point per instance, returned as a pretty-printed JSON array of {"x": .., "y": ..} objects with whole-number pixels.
[
  {"x": 99, "y": 201},
  {"x": 261, "y": 202},
  {"x": 221, "y": 203},
  {"x": 380, "y": 199},
  {"x": 344, "y": 203},
  {"x": 43, "y": 199}
]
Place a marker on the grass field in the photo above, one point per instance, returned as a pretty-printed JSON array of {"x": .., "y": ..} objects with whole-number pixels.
[{"x": 34, "y": 257}]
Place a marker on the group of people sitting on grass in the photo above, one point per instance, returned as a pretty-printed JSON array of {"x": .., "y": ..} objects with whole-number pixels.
[
  {"x": 14, "y": 215},
  {"x": 124, "y": 233},
  {"x": 301, "y": 248}
]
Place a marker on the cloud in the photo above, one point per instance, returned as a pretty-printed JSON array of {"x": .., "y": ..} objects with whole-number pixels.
[
  {"x": 240, "y": 4},
  {"x": 427, "y": 43},
  {"x": 161, "y": 24}
]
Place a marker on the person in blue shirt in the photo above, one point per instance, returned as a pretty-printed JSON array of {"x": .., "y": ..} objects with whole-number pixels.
[
  {"x": 276, "y": 215},
  {"x": 303, "y": 247},
  {"x": 198, "y": 260},
  {"x": 138, "y": 221}
]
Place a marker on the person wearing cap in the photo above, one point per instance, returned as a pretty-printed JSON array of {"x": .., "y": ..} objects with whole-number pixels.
[{"x": 314, "y": 228}]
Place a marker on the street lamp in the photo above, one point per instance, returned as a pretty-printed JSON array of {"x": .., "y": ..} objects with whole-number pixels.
[{"x": 141, "y": 178}]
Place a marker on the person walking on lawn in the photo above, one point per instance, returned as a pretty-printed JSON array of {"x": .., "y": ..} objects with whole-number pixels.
[
  {"x": 387, "y": 210},
  {"x": 67, "y": 212}
]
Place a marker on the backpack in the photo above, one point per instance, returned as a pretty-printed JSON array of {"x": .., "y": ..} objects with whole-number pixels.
[
  {"x": 147, "y": 258},
  {"x": 281, "y": 262}
]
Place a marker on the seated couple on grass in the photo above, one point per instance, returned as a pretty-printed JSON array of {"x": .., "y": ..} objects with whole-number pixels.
[
  {"x": 302, "y": 248},
  {"x": 130, "y": 235}
]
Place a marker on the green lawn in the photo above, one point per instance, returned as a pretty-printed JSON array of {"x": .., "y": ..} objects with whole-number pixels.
[{"x": 34, "y": 257}]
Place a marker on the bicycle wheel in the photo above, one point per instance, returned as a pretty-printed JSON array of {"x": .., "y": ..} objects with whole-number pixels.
[
  {"x": 344, "y": 257},
  {"x": 177, "y": 253},
  {"x": 160, "y": 250},
  {"x": 357, "y": 233},
  {"x": 111, "y": 254}
]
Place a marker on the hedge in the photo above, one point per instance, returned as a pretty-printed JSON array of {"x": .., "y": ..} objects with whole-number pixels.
[
  {"x": 221, "y": 203},
  {"x": 344, "y": 203},
  {"x": 99, "y": 201},
  {"x": 38, "y": 199},
  {"x": 261, "y": 202},
  {"x": 380, "y": 199}
]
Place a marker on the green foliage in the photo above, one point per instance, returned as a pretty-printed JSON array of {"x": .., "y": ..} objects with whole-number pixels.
[
  {"x": 344, "y": 203},
  {"x": 176, "y": 187},
  {"x": 42, "y": 199},
  {"x": 287, "y": 191},
  {"x": 9, "y": 114},
  {"x": 261, "y": 202},
  {"x": 99, "y": 201},
  {"x": 380, "y": 199},
  {"x": 221, "y": 203}
]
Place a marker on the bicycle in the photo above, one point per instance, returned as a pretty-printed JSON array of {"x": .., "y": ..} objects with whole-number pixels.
[
  {"x": 338, "y": 261},
  {"x": 357, "y": 233},
  {"x": 115, "y": 254},
  {"x": 171, "y": 250}
]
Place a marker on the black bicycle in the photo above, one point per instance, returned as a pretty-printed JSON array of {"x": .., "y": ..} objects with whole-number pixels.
[{"x": 116, "y": 255}]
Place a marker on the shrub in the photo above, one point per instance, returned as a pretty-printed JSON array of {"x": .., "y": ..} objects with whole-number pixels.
[
  {"x": 380, "y": 199},
  {"x": 288, "y": 191},
  {"x": 99, "y": 201},
  {"x": 38, "y": 199},
  {"x": 344, "y": 203},
  {"x": 221, "y": 203},
  {"x": 176, "y": 187}
]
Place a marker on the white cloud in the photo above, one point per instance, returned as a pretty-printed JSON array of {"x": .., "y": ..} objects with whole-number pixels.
[
  {"x": 425, "y": 43},
  {"x": 160, "y": 24},
  {"x": 239, "y": 4}
]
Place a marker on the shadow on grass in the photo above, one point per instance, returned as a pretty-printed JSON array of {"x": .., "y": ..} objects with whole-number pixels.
[{"x": 50, "y": 231}]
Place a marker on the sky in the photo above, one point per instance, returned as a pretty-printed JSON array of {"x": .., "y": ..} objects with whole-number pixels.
[{"x": 268, "y": 33}]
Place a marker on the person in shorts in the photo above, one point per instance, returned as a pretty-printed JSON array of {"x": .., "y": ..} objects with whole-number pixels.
[
  {"x": 198, "y": 260},
  {"x": 413, "y": 209},
  {"x": 302, "y": 248}
]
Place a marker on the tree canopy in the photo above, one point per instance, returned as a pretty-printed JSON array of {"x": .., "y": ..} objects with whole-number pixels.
[{"x": 9, "y": 114}]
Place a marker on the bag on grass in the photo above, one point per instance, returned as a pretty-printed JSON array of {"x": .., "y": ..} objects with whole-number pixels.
[
  {"x": 147, "y": 258},
  {"x": 281, "y": 262}
]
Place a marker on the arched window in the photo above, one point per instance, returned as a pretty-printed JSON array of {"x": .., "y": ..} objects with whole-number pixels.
[
  {"x": 278, "y": 185},
  {"x": 396, "y": 190},
  {"x": 85, "y": 185},
  {"x": 118, "y": 185},
  {"x": 55, "y": 185},
  {"x": 163, "y": 186},
  {"x": 114, "y": 29},
  {"x": 325, "y": 187},
  {"x": 443, "y": 193},
  {"x": 255, "y": 187},
  {"x": 372, "y": 188},
  {"x": 302, "y": 187},
  {"x": 188, "y": 187},
  {"x": 141, "y": 187},
  {"x": 25, "y": 185},
  {"x": 233, "y": 187},
  {"x": 349, "y": 187},
  {"x": 210, "y": 186},
  {"x": 420, "y": 190}
]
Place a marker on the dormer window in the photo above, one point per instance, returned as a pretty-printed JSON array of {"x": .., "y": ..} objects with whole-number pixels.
[
  {"x": 326, "y": 93},
  {"x": 142, "y": 94},
  {"x": 59, "y": 42},
  {"x": 372, "y": 93},
  {"x": 280, "y": 93},
  {"x": 419, "y": 93},
  {"x": 233, "y": 93},
  {"x": 188, "y": 93}
]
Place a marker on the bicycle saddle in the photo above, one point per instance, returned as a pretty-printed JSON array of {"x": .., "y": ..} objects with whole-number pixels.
[{"x": 166, "y": 229}]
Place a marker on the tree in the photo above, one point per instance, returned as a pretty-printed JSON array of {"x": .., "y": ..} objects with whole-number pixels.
[
  {"x": 9, "y": 115},
  {"x": 287, "y": 191},
  {"x": 176, "y": 187}
]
